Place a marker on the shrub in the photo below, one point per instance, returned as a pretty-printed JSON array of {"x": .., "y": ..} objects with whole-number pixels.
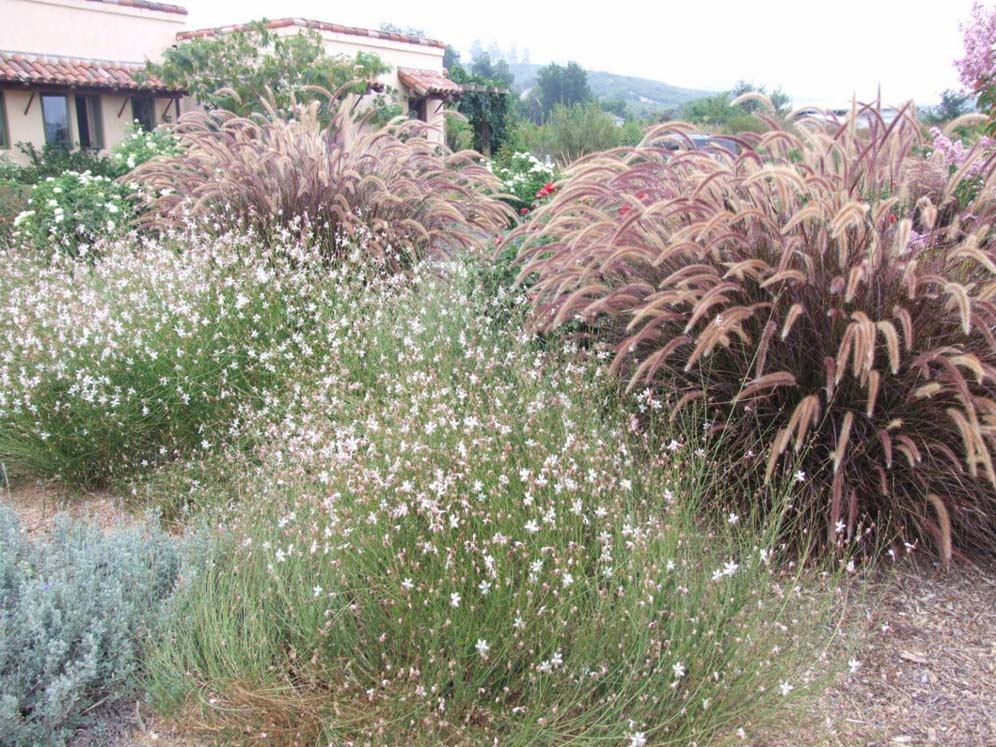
[
  {"x": 526, "y": 178},
  {"x": 150, "y": 353},
  {"x": 140, "y": 145},
  {"x": 69, "y": 214},
  {"x": 55, "y": 160},
  {"x": 408, "y": 193},
  {"x": 451, "y": 537},
  {"x": 822, "y": 292},
  {"x": 75, "y": 611},
  {"x": 572, "y": 132},
  {"x": 13, "y": 202}
]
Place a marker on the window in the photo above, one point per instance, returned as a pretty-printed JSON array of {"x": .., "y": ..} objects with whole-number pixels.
[
  {"x": 89, "y": 123},
  {"x": 55, "y": 115},
  {"x": 4, "y": 139},
  {"x": 418, "y": 109},
  {"x": 143, "y": 109}
]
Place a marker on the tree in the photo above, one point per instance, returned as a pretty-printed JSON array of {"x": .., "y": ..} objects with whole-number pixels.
[
  {"x": 572, "y": 132},
  {"x": 451, "y": 57},
  {"x": 233, "y": 71},
  {"x": 487, "y": 111},
  {"x": 953, "y": 105},
  {"x": 779, "y": 99},
  {"x": 616, "y": 105},
  {"x": 497, "y": 71},
  {"x": 394, "y": 28},
  {"x": 561, "y": 85},
  {"x": 977, "y": 69}
]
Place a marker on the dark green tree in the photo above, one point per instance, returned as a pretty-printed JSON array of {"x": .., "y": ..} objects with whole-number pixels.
[
  {"x": 486, "y": 103},
  {"x": 953, "y": 105},
  {"x": 560, "y": 85}
]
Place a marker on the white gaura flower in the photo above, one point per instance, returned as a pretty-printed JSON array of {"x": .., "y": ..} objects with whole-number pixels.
[
  {"x": 454, "y": 599},
  {"x": 482, "y": 648}
]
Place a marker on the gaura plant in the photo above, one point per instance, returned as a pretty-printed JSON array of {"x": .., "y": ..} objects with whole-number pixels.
[
  {"x": 331, "y": 170},
  {"x": 825, "y": 291}
]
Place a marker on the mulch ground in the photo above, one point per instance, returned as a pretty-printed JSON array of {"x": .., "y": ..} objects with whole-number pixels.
[{"x": 926, "y": 643}]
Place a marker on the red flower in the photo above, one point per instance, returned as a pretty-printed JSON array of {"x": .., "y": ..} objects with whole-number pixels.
[
  {"x": 524, "y": 211},
  {"x": 624, "y": 209},
  {"x": 892, "y": 218}
]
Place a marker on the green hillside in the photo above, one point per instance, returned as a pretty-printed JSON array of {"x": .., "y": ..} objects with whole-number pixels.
[{"x": 641, "y": 94}]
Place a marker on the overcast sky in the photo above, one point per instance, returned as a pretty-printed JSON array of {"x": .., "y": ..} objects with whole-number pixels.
[{"x": 819, "y": 53}]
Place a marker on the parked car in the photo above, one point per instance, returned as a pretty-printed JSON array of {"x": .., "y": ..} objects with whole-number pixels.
[{"x": 701, "y": 142}]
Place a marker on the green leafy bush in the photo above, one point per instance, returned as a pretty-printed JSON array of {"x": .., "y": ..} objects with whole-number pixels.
[
  {"x": 823, "y": 293},
  {"x": 330, "y": 179},
  {"x": 13, "y": 201},
  {"x": 140, "y": 145},
  {"x": 526, "y": 178},
  {"x": 69, "y": 214},
  {"x": 75, "y": 611},
  {"x": 55, "y": 160},
  {"x": 572, "y": 132},
  {"x": 233, "y": 71}
]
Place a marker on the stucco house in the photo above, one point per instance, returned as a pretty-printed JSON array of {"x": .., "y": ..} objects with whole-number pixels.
[{"x": 68, "y": 68}]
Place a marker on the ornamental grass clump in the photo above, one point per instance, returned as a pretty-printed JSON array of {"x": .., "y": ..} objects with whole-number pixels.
[
  {"x": 450, "y": 536},
  {"x": 331, "y": 172},
  {"x": 827, "y": 292}
]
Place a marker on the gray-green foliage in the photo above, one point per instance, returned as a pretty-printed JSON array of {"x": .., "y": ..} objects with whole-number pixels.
[{"x": 74, "y": 611}]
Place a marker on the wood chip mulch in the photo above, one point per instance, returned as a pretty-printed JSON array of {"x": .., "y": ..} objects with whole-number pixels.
[{"x": 924, "y": 645}]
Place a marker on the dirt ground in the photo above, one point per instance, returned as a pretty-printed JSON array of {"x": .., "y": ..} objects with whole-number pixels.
[
  {"x": 924, "y": 642},
  {"x": 924, "y": 645}
]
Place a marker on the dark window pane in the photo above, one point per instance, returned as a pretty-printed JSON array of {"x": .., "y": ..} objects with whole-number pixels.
[
  {"x": 55, "y": 114},
  {"x": 143, "y": 108},
  {"x": 83, "y": 122},
  {"x": 88, "y": 122}
]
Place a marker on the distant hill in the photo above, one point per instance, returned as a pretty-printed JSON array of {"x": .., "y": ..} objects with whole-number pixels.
[{"x": 641, "y": 94}]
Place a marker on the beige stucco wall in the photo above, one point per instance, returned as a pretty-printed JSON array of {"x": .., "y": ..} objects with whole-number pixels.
[
  {"x": 30, "y": 127},
  {"x": 77, "y": 28}
]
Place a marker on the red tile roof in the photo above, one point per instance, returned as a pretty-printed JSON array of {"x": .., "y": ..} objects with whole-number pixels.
[
  {"x": 318, "y": 26},
  {"x": 426, "y": 82},
  {"x": 146, "y": 5},
  {"x": 74, "y": 72}
]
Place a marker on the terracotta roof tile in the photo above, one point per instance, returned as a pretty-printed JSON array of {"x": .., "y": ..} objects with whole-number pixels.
[
  {"x": 316, "y": 25},
  {"x": 74, "y": 72},
  {"x": 145, "y": 5},
  {"x": 426, "y": 82}
]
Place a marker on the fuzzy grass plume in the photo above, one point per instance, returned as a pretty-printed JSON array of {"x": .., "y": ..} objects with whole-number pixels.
[
  {"x": 828, "y": 291},
  {"x": 332, "y": 171}
]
